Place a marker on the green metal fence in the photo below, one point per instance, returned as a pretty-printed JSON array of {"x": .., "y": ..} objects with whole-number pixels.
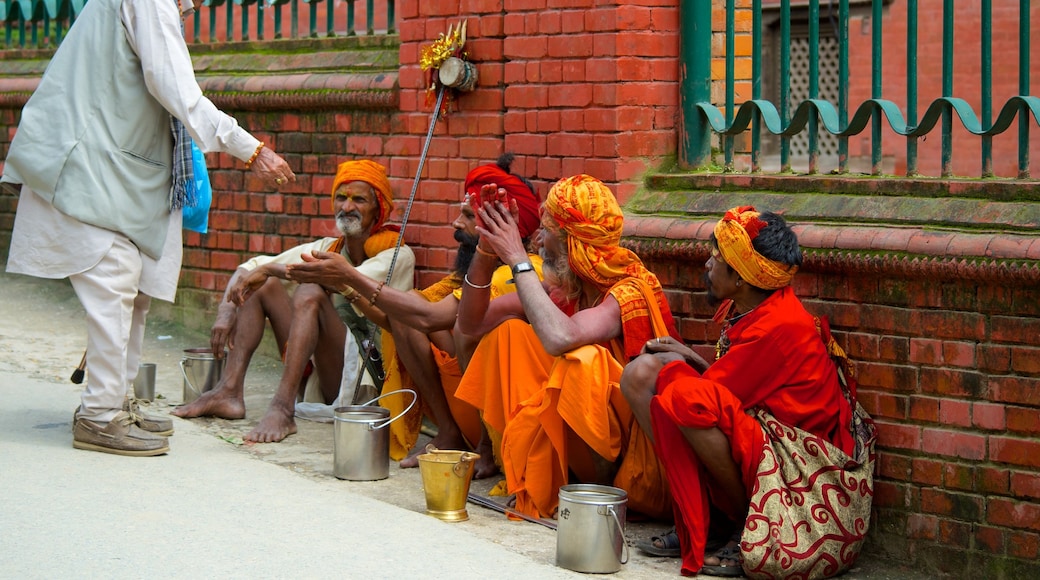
[
  {"x": 815, "y": 115},
  {"x": 41, "y": 23}
]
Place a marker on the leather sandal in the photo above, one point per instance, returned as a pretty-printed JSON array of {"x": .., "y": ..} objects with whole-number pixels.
[
  {"x": 664, "y": 546},
  {"x": 731, "y": 551}
]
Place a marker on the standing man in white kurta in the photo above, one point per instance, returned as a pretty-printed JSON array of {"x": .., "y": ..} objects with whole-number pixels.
[{"x": 94, "y": 154}]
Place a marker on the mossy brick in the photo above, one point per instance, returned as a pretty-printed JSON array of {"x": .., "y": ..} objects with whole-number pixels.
[
  {"x": 1023, "y": 545},
  {"x": 948, "y": 503},
  {"x": 952, "y": 383},
  {"x": 958, "y": 476},
  {"x": 895, "y": 466},
  {"x": 990, "y": 539}
]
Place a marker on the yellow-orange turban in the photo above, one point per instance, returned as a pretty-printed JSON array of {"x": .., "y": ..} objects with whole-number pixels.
[
  {"x": 373, "y": 174},
  {"x": 734, "y": 233},
  {"x": 589, "y": 213}
]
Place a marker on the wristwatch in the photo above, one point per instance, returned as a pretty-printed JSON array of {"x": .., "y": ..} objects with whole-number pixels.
[{"x": 521, "y": 268}]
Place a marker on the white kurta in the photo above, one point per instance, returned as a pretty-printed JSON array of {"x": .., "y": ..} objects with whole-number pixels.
[{"x": 49, "y": 244}]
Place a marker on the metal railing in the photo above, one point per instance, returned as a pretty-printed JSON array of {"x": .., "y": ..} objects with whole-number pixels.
[
  {"x": 813, "y": 114},
  {"x": 42, "y": 23}
]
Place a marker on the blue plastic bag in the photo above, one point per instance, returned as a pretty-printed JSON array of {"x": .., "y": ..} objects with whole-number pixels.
[{"x": 196, "y": 218}]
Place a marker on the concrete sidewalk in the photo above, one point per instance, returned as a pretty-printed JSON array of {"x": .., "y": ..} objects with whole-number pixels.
[{"x": 214, "y": 507}]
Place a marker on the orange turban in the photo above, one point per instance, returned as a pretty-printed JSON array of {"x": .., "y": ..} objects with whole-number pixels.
[
  {"x": 526, "y": 199},
  {"x": 734, "y": 234},
  {"x": 589, "y": 213},
  {"x": 373, "y": 174}
]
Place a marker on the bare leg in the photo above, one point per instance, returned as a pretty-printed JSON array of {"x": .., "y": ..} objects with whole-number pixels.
[
  {"x": 314, "y": 322},
  {"x": 713, "y": 450},
  {"x": 226, "y": 400},
  {"x": 639, "y": 385},
  {"x": 413, "y": 348}
]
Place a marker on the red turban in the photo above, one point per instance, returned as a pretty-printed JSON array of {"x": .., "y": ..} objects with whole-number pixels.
[
  {"x": 373, "y": 174},
  {"x": 526, "y": 199}
]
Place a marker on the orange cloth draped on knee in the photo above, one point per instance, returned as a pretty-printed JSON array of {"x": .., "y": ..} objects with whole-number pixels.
[
  {"x": 530, "y": 405},
  {"x": 404, "y": 431},
  {"x": 686, "y": 400},
  {"x": 466, "y": 416}
]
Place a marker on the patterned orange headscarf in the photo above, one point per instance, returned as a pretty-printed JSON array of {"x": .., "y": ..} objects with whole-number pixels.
[
  {"x": 373, "y": 174},
  {"x": 734, "y": 233},
  {"x": 589, "y": 213},
  {"x": 586, "y": 210}
]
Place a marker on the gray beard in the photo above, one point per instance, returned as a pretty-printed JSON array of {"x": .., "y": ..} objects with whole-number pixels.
[{"x": 349, "y": 227}]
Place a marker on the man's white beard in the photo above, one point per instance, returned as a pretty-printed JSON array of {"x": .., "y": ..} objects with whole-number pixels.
[{"x": 349, "y": 226}]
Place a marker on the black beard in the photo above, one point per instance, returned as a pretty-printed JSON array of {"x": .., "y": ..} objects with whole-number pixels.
[
  {"x": 713, "y": 300},
  {"x": 464, "y": 255}
]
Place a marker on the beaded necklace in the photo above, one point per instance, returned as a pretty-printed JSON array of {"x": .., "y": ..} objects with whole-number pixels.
[{"x": 723, "y": 344}]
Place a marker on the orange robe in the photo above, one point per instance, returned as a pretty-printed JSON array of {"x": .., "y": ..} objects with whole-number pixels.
[
  {"x": 538, "y": 401},
  {"x": 405, "y": 431},
  {"x": 775, "y": 360}
]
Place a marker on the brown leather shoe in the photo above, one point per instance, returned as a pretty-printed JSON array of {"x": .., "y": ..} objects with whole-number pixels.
[
  {"x": 152, "y": 423},
  {"x": 119, "y": 436}
]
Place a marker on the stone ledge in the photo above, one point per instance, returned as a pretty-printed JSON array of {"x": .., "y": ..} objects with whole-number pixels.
[{"x": 990, "y": 189}]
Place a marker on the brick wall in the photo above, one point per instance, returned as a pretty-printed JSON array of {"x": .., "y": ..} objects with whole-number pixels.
[{"x": 948, "y": 351}]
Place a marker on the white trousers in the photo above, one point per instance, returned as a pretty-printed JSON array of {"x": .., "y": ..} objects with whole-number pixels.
[{"x": 116, "y": 313}]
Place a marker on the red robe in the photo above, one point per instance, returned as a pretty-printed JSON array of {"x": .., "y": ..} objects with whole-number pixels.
[{"x": 776, "y": 360}]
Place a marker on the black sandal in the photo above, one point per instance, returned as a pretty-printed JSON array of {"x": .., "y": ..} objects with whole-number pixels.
[
  {"x": 664, "y": 546},
  {"x": 731, "y": 551}
]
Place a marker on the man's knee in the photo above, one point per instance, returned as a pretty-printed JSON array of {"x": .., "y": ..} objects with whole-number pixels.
[
  {"x": 309, "y": 296},
  {"x": 640, "y": 377}
]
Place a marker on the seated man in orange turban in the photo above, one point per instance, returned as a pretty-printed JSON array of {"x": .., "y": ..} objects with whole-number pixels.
[
  {"x": 313, "y": 321},
  {"x": 770, "y": 355},
  {"x": 546, "y": 374},
  {"x": 421, "y": 324}
]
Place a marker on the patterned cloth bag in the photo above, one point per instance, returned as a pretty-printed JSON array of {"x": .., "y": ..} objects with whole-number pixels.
[{"x": 810, "y": 505}]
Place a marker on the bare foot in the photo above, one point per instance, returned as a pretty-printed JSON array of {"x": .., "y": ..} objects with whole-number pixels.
[
  {"x": 215, "y": 403},
  {"x": 412, "y": 460},
  {"x": 485, "y": 466},
  {"x": 273, "y": 427}
]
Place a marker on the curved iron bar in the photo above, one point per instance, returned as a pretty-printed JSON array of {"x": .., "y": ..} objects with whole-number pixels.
[{"x": 828, "y": 116}]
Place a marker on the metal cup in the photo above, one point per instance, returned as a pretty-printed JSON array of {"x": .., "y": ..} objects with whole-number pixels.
[{"x": 144, "y": 383}]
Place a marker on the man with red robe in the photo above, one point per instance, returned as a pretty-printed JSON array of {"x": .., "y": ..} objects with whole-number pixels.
[{"x": 770, "y": 355}]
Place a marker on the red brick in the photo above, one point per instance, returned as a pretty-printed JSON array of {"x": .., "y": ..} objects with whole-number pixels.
[
  {"x": 1023, "y": 420},
  {"x": 1025, "y": 484},
  {"x": 1015, "y": 330},
  {"x": 951, "y": 382},
  {"x": 893, "y": 466},
  {"x": 1023, "y": 545},
  {"x": 887, "y": 376},
  {"x": 955, "y": 534},
  {"x": 988, "y": 416},
  {"x": 927, "y": 472},
  {"x": 958, "y": 476},
  {"x": 957, "y": 505},
  {"x": 989, "y": 539},
  {"x": 1013, "y": 514},
  {"x": 992, "y": 480},
  {"x": 924, "y": 409},
  {"x": 1015, "y": 451},
  {"x": 926, "y": 351},
  {"x": 891, "y": 406},
  {"x": 898, "y": 436},
  {"x": 894, "y": 349},
  {"x": 922, "y": 527},
  {"x": 953, "y": 443},
  {"x": 1026, "y": 360},
  {"x": 955, "y": 413},
  {"x": 994, "y": 358},
  {"x": 959, "y": 354},
  {"x": 1019, "y": 390}
]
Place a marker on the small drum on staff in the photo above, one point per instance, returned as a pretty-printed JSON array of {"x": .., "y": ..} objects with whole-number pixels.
[{"x": 458, "y": 74}]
